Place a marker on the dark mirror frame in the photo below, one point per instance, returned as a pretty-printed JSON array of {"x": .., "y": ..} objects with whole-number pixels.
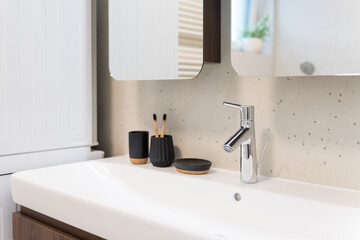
[{"x": 212, "y": 31}]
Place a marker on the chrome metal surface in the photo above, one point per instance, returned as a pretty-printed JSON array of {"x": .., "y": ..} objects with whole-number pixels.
[
  {"x": 245, "y": 137},
  {"x": 246, "y": 112}
]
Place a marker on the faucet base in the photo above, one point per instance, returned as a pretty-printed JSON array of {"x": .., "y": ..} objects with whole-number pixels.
[{"x": 249, "y": 182}]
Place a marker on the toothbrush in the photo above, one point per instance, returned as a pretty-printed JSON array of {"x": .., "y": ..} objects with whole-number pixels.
[
  {"x": 163, "y": 126},
  {"x": 156, "y": 128}
]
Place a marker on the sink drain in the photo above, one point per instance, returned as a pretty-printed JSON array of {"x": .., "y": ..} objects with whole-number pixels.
[{"x": 237, "y": 196}]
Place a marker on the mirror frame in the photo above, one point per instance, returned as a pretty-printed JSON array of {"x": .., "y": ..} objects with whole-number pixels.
[{"x": 212, "y": 31}]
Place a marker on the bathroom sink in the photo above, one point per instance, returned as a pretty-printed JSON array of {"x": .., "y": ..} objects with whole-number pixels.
[{"x": 115, "y": 200}]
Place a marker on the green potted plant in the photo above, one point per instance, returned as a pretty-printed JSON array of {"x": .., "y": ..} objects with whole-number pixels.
[{"x": 253, "y": 39}]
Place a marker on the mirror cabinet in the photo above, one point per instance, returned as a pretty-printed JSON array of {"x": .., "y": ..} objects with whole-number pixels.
[
  {"x": 161, "y": 39},
  {"x": 295, "y": 38}
]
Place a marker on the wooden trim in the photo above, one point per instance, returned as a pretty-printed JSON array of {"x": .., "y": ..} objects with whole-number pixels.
[
  {"x": 192, "y": 172},
  {"x": 63, "y": 227},
  {"x": 212, "y": 31},
  {"x": 138, "y": 160}
]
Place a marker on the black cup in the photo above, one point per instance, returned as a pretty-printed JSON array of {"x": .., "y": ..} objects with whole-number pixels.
[
  {"x": 139, "y": 146},
  {"x": 162, "y": 151}
]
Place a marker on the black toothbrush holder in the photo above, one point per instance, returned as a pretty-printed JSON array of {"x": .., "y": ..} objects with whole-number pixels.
[
  {"x": 138, "y": 147},
  {"x": 162, "y": 151}
]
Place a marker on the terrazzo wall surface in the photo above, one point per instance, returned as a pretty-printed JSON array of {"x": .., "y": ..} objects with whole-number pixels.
[{"x": 313, "y": 123}]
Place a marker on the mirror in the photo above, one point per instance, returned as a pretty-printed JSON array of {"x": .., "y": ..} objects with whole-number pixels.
[
  {"x": 155, "y": 39},
  {"x": 295, "y": 38}
]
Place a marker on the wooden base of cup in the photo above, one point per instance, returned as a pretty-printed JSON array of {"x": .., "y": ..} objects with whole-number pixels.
[
  {"x": 138, "y": 160},
  {"x": 192, "y": 172}
]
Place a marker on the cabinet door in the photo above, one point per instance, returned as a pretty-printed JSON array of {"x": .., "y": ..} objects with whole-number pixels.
[
  {"x": 26, "y": 228},
  {"x": 7, "y": 207}
]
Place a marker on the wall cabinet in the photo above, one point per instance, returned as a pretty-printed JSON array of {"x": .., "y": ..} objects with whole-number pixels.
[{"x": 7, "y": 207}]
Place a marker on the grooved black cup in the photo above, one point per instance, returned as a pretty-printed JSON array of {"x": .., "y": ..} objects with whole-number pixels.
[
  {"x": 162, "y": 151},
  {"x": 138, "y": 146}
]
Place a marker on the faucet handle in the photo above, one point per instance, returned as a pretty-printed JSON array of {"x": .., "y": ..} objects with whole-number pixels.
[
  {"x": 232, "y": 105},
  {"x": 246, "y": 112},
  {"x": 262, "y": 153}
]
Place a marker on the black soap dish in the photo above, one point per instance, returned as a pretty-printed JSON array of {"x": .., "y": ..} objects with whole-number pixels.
[{"x": 192, "y": 165}]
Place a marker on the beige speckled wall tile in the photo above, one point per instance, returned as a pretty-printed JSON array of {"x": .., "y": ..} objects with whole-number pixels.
[{"x": 313, "y": 123}]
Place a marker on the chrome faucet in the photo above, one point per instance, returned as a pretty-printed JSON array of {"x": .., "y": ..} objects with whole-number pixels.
[{"x": 246, "y": 138}]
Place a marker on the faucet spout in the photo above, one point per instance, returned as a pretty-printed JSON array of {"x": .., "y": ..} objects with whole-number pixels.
[{"x": 235, "y": 141}]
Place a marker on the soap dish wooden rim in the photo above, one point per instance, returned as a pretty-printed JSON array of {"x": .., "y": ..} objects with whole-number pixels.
[{"x": 192, "y": 166}]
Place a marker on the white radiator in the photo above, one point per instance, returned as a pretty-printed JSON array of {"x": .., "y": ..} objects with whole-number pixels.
[
  {"x": 45, "y": 75},
  {"x": 47, "y": 88}
]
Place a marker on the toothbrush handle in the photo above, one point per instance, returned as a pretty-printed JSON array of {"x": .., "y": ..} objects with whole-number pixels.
[
  {"x": 163, "y": 130},
  {"x": 156, "y": 130}
]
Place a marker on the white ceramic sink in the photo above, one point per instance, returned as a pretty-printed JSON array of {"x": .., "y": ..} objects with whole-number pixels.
[{"x": 116, "y": 200}]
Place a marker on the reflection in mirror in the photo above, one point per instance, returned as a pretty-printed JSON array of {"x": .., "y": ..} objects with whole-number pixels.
[
  {"x": 155, "y": 39},
  {"x": 295, "y": 38},
  {"x": 252, "y": 37}
]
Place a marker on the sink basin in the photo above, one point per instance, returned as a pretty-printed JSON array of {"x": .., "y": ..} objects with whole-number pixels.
[{"x": 115, "y": 200}]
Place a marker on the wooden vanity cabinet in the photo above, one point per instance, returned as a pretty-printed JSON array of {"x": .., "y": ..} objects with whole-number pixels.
[
  {"x": 25, "y": 228},
  {"x": 31, "y": 225}
]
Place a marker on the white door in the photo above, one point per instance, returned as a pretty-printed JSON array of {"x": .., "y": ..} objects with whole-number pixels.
[{"x": 7, "y": 207}]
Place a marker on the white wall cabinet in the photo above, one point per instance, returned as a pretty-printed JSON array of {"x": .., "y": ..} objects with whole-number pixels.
[{"x": 7, "y": 207}]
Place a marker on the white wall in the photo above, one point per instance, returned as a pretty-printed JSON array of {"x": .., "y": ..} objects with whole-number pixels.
[{"x": 313, "y": 122}]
